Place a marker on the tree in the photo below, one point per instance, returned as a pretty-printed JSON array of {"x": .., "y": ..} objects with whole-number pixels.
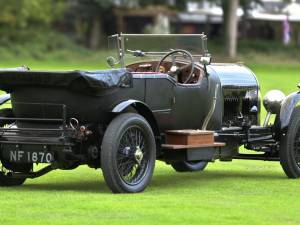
[
  {"x": 92, "y": 12},
  {"x": 19, "y": 14},
  {"x": 230, "y": 19},
  {"x": 21, "y": 19}
]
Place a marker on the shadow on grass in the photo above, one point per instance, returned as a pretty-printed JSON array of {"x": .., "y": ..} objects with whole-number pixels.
[
  {"x": 76, "y": 186},
  {"x": 167, "y": 181},
  {"x": 208, "y": 177}
]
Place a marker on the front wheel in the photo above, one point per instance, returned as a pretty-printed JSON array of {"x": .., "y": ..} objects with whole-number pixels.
[
  {"x": 128, "y": 154},
  {"x": 189, "y": 166},
  {"x": 290, "y": 147}
]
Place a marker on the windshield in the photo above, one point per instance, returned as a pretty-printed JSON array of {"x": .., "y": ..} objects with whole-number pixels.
[
  {"x": 131, "y": 48},
  {"x": 114, "y": 51}
]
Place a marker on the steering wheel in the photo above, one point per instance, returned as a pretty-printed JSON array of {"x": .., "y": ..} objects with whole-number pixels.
[{"x": 184, "y": 53}]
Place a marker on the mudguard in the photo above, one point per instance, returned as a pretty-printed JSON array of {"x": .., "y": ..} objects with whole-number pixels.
[
  {"x": 142, "y": 109},
  {"x": 4, "y": 98},
  {"x": 287, "y": 107},
  {"x": 125, "y": 104}
]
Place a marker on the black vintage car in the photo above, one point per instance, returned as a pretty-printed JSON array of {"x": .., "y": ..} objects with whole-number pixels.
[{"x": 162, "y": 99}]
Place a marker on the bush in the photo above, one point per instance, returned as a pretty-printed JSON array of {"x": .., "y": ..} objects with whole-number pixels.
[{"x": 43, "y": 44}]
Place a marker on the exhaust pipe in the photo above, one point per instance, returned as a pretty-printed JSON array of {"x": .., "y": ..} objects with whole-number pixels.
[{"x": 212, "y": 109}]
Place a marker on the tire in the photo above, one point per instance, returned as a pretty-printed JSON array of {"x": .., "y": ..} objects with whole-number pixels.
[
  {"x": 5, "y": 174},
  {"x": 185, "y": 166},
  {"x": 289, "y": 153},
  {"x": 128, "y": 146},
  {"x": 7, "y": 167}
]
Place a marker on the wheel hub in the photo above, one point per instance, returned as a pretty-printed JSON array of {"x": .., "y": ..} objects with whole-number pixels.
[
  {"x": 126, "y": 151},
  {"x": 138, "y": 155}
]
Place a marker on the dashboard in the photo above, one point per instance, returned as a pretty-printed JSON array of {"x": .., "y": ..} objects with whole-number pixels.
[{"x": 150, "y": 66}]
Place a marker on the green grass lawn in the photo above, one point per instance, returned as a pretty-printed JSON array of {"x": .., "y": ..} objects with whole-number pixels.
[{"x": 238, "y": 192}]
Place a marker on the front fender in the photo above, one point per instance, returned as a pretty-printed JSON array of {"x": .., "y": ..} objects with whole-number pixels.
[
  {"x": 4, "y": 98},
  {"x": 287, "y": 107}
]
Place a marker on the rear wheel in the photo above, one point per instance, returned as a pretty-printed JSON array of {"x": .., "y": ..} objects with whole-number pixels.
[
  {"x": 6, "y": 167},
  {"x": 189, "y": 166},
  {"x": 290, "y": 147},
  {"x": 128, "y": 154}
]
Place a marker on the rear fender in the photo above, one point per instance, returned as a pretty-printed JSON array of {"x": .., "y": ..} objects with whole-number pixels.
[
  {"x": 4, "y": 98},
  {"x": 142, "y": 109},
  {"x": 287, "y": 107}
]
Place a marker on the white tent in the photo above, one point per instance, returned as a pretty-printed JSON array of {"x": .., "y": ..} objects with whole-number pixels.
[{"x": 292, "y": 10}]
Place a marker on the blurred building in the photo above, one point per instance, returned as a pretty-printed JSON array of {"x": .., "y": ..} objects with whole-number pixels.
[
  {"x": 261, "y": 21},
  {"x": 139, "y": 21}
]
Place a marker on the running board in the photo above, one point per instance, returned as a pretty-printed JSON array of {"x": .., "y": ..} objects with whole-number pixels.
[
  {"x": 196, "y": 146},
  {"x": 256, "y": 157}
]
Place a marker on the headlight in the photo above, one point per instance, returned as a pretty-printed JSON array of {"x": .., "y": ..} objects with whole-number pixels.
[{"x": 272, "y": 101}]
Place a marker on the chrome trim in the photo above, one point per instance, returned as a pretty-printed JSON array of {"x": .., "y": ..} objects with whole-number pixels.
[
  {"x": 162, "y": 111},
  {"x": 162, "y": 35}
]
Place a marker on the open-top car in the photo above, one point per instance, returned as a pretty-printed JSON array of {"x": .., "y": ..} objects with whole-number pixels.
[{"x": 161, "y": 99}]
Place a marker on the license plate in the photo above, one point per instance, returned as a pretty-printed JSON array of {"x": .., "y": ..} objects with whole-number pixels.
[{"x": 30, "y": 156}]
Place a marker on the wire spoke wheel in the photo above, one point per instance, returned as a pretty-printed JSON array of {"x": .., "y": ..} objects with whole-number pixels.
[
  {"x": 289, "y": 153},
  {"x": 132, "y": 157},
  {"x": 297, "y": 148},
  {"x": 6, "y": 167},
  {"x": 4, "y": 171},
  {"x": 128, "y": 154}
]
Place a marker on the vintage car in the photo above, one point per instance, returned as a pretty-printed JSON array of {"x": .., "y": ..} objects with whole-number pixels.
[{"x": 161, "y": 99}]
